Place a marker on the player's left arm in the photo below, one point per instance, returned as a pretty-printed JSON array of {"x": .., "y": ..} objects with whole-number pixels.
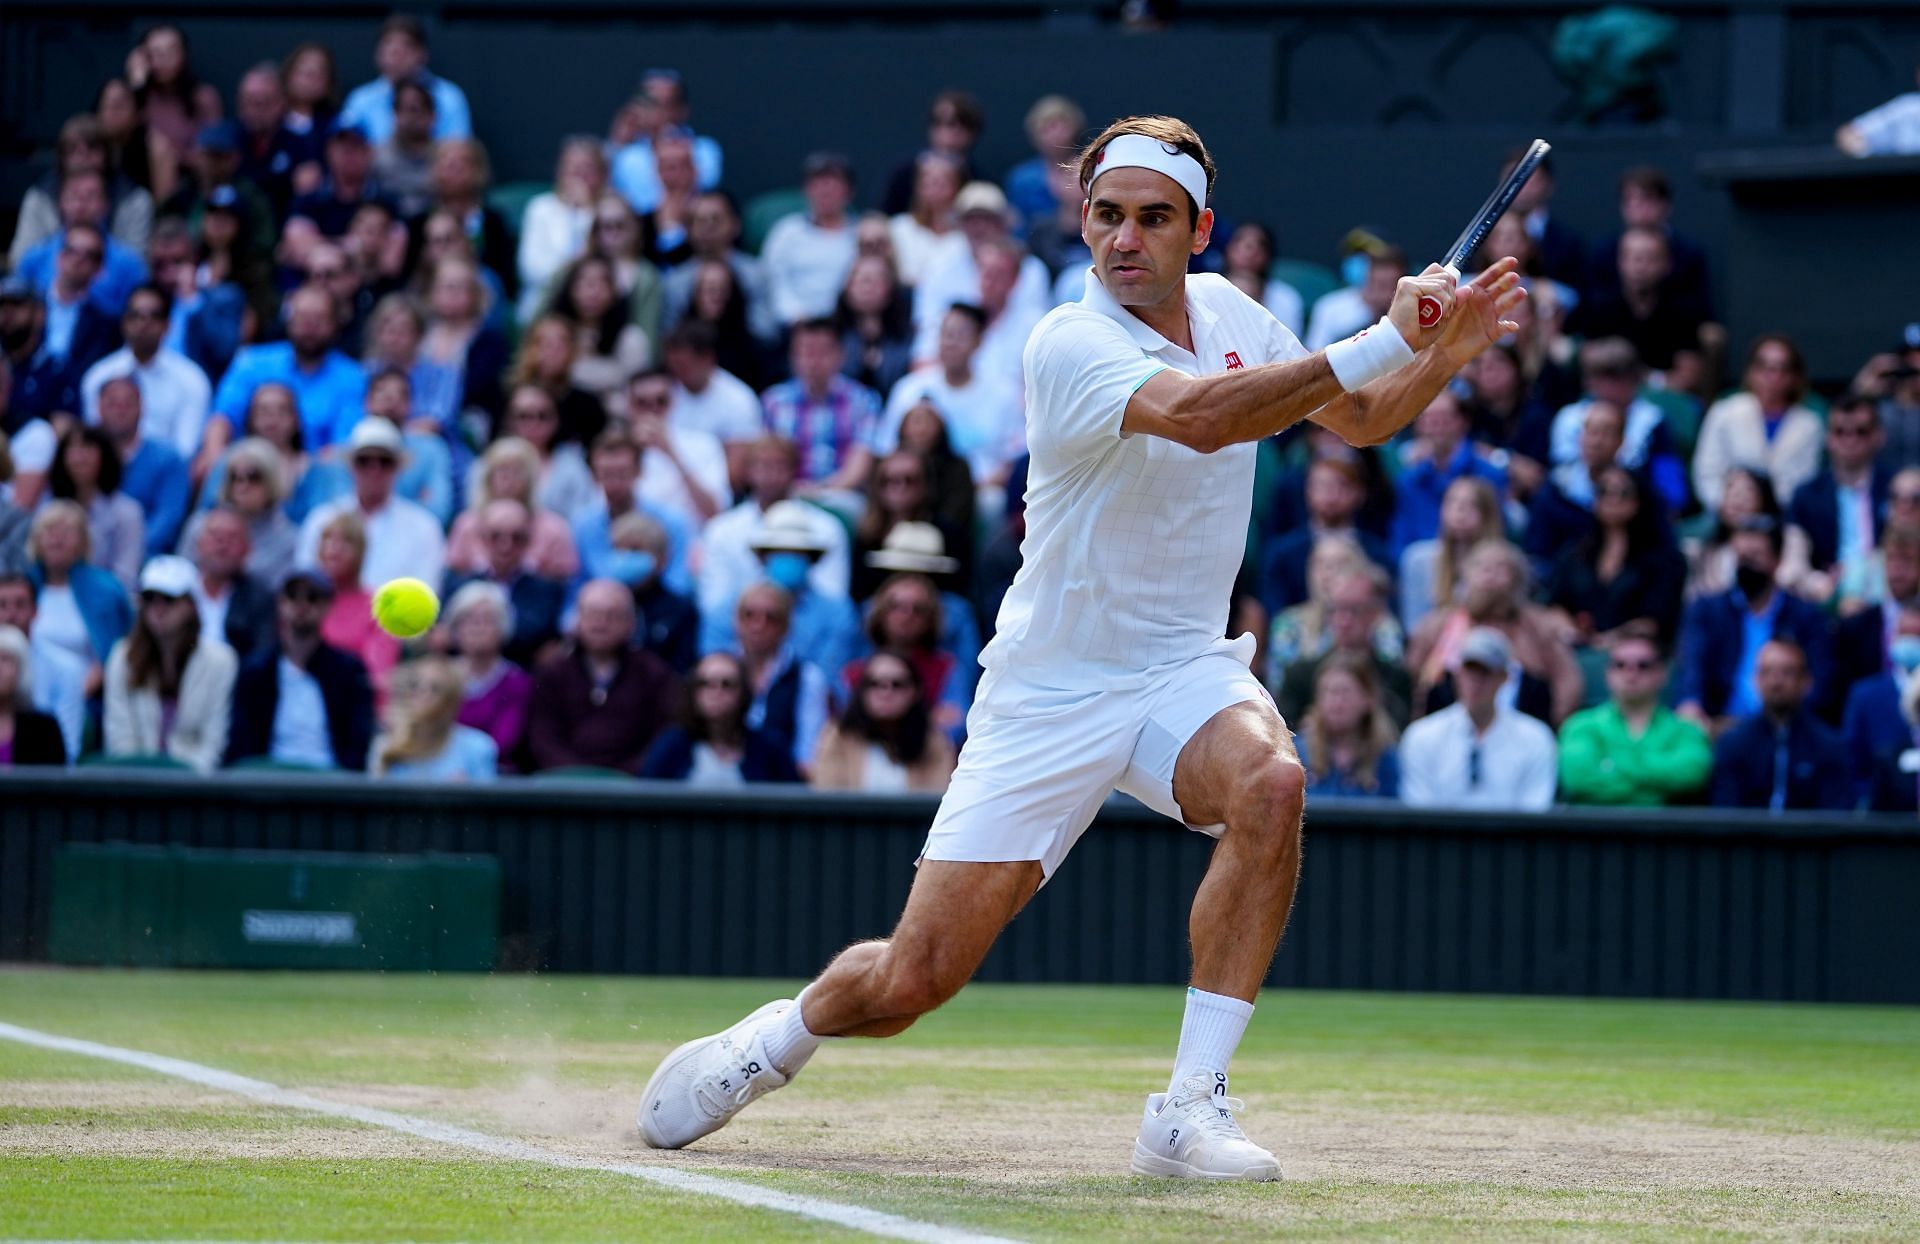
[{"x": 1377, "y": 411}]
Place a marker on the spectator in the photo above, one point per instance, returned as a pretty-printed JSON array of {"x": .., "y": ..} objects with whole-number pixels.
[
  {"x": 153, "y": 476},
  {"x": 954, "y": 122},
  {"x": 929, "y": 218},
  {"x": 1439, "y": 453},
  {"x": 562, "y": 482},
  {"x": 349, "y": 624},
  {"x": 301, "y": 703},
  {"x": 1624, "y": 575},
  {"x": 328, "y": 388},
  {"x": 1479, "y": 753},
  {"x": 1765, "y": 427},
  {"x": 1632, "y": 750},
  {"x": 174, "y": 392},
  {"x": 312, "y": 85},
  {"x": 83, "y": 299},
  {"x": 1056, "y": 241},
  {"x": 600, "y": 702},
  {"x": 661, "y": 104},
  {"x": 684, "y": 471},
  {"x": 608, "y": 347},
  {"x": 1306, "y": 629},
  {"x": 807, "y": 255},
  {"x": 1838, "y": 513},
  {"x": 57, "y": 678},
  {"x": 831, "y": 418},
  {"x": 548, "y": 350},
  {"x": 1562, "y": 513},
  {"x": 401, "y": 56},
  {"x": 713, "y": 235},
  {"x": 986, "y": 267},
  {"x": 666, "y": 622},
  {"x": 1747, "y": 494},
  {"x": 956, "y": 500},
  {"x": 427, "y": 478},
  {"x": 616, "y": 475},
  {"x": 234, "y": 601},
  {"x": 885, "y": 741},
  {"x": 790, "y": 694},
  {"x": 403, "y": 160},
  {"x": 619, "y": 237},
  {"x": 1356, "y": 599},
  {"x": 1346, "y": 311},
  {"x": 402, "y": 538},
  {"x": 718, "y": 304},
  {"x": 88, "y": 470},
  {"x": 1893, "y": 380},
  {"x": 169, "y": 687},
  {"x": 729, "y": 563},
  {"x": 1249, "y": 259},
  {"x": 84, "y": 147},
  {"x": 41, "y": 385},
  {"x": 423, "y": 738},
  {"x": 897, "y": 493},
  {"x": 1548, "y": 684},
  {"x": 1864, "y": 638},
  {"x": 666, "y": 221},
  {"x": 709, "y": 399},
  {"x": 1055, "y": 125},
  {"x": 461, "y": 175},
  {"x": 499, "y": 694},
  {"x": 325, "y": 214},
  {"x": 1504, "y": 407},
  {"x": 1875, "y": 724},
  {"x": 280, "y": 162},
  {"x": 461, "y": 357},
  {"x": 712, "y": 747},
  {"x": 1347, "y": 739},
  {"x": 251, "y": 480},
  {"x": 1780, "y": 757},
  {"x": 1643, "y": 301},
  {"x": 1611, "y": 372},
  {"x": 906, "y": 617},
  {"x": 1562, "y": 255},
  {"x": 26, "y": 737},
  {"x": 440, "y": 237},
  {"x": 1722, "y": 635},
  {"x": 1891, "y": 129},
  {"x": 985, "y": 422},
  {"x": 209, "y": 314},
  {"x": 1430, "y": 575},
  {"x": 554, "y": 228},
  {"x": 505, "y": 531},
  {"x": 1646, "y": 202},
  {"x": 14, "y": 519},
  {"x": 176, "y": 101},
  {"x": 234, "y": 219},
  {"x": 1335, "y": 493},
  {"x": 510, "y": 470},
  {"x": 875, "y": 318}
]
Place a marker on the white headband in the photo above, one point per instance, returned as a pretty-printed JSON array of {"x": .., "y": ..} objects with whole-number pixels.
[{"x": 1139, "y": 151}]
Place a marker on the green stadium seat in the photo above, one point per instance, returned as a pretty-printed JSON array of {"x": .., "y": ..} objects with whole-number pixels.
[
  {"x": 1309, "y": 280},
  {"x": 763, "y": 211},
  {"x": 510, "y": 199}
]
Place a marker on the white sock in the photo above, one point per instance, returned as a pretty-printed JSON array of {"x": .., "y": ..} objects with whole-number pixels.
[
  {"x": 789, "y": 1043},
  {"x": 1208, "y": 1036}
]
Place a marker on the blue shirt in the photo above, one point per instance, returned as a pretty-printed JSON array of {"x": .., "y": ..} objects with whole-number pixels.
[
  {"x": 156, "y": 477},
  {"x": 1029, "y": 192},
  {"x": 593, "y": 537},
  {"x": 120, "y": 274},
  {"x": 1417, "y": 493},
  {"x": 1756, "y": 631},
  {"x": 330, "y": 397},
  {"x": 371, "y": 105},
  {"x": 634, "y": 177},
  {"x": 470, "y": 756}
]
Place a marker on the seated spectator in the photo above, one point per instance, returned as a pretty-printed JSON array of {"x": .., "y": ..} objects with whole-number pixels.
[
  {"x": 278, "y": 161},
  {"x": 299, "y": 482},
  {"x": 684, "y": 471},
  {"x": 174, "y": 392},
  {"x": 1347, "y": 310},
  {"x": 87, "y": 470},
  {"x": 403, "y": 161},
  {"x": 709, "y": 399},
  {"x": 313, "y": 89},
  {"x": 713, "y": 233},
  {"x": 666, "y": 623},
  {"x": 620, "y": 238},
  {"x": 328, "y": 388},
  {"x": 423, "y": 738},
  {"x": 875, "y": 319},
  {"x": 1355, "y": 602},
  {"x": 790, "y": 694},
  {"x": 712, "y": 747},
  {"x": 1903, "y": 510},
  {"x": 1249, "y": 257},
  {"x": 825, "y": 625},
  {"x": 1305, "y": 630},
  {"x": 1893, "y": 128},
  {"x": 729, "y": 562},
  {"x": 1781, "y": 757},
  {"x": 1439, "y": 453},
  {"x": 250, "y": 480},
  {"x": 27, "y": 737},
  {"x": 1721, "y": 637},
  {"x": 84, "y": 275},
  {"x": 401, "y": 56},
  {"x": 1347, "y": 739},
  {"x": 325, "y": 213},
  {"x": 402, "y": 538},
  {"x": 959, "y": 501},
  {"x": 885, "y": 741},
  {"x": 234, "y": 603},
  {"x": 1286, "y": 508},
  {"x": 1764, "y": 427},
  {"x": 930, "y": 217},
  {"x": 209, "y": 313},
  {"x": 349, "y": 624},
  {"x": 717, "y": 300},
  {"x": 460, "y": 176},
  {"x": 1547, "y": 682},
  {"x": 1562, "y": 512},
  {"x": 608, "y": 346},
  {"x": 1641, "y": 299},
  {"x": 1892, "y": 378},
  {"x": 300, "y": 702},
  {"x": 1839, "y": 512},
  {"x": 169, "y": 687},
  {"x": 678, "y": 186},
  {"x": 545, "y": 362},
  {"x": 1611, "y": 372},
  {"x": 154, "y": 477},
  {"x": 985, "y": 420},
  {"x": 1875, "y": 723},
  {"x": 505, "y": 530},
  {"x": 1747, "y": 495},
  {"x": 954, "y": 122},
  {"x": 897, "y": 493},
  {"x": 57, "y": 679},
  {"x": 427, "y": 478},
  {"x": 1430, "y": 569},
  {"x": 1625, "y": 574},
  {"x": 87, "y": 144},
  {"x": 82, "y": 608},
  {"x": 499, "y": 694},
  {"x": 510, "y": 471},
  {"x": 1477, "y": 752},
  {"x": 1055, "y": 126},
  {"x": 992, "y": 272},
  {"x": 440, "y": 238},
  {"x": 659, "y": 106},
  {"x": 461, "y": 358},
  {"x": 905, "y": 617},
  {"x": 1632, "y": 750},
  {"x": 807, "y": 255},
  {"x": 600, "y": 702},
  {"x": 831, "y": 418},
  {"x": 616, "y": 464},
  {"x": 1503, "y": 406},
  {"x": 14, "y": 519},
  {"x": 554, "y": 228},
  {"x": 1865, "y": 634},
  {"x": 1335, "y": 493}
]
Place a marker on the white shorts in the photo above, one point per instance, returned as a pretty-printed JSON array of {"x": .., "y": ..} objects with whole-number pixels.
[{"x": 1039, "y": 762}]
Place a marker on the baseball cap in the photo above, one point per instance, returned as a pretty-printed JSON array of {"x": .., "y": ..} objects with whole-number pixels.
[
  {"x": 823, "y": 163},
  {"x": 223, "y": 136},
  {"x": 18, "y": 289},
  {"x": 980, "y": 196},
  {"x": 309, "y": 577},
  {"x": 1486, "y": 648},
  {"x": 374, "y": 433},
  {"x": 343, "y": 127},
  {"x": 167, "y": 575}
]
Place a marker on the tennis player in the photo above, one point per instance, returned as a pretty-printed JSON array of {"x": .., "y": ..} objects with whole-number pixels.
[{"x": 1109, "y": 668}]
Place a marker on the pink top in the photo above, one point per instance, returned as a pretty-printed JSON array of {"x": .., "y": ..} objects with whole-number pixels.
[
  {"x": 349, "y": 626},
  {"x": 551, "y": 555}
]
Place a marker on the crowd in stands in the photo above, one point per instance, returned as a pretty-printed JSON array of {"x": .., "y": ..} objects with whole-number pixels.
[{"x": 721, "y": 509}]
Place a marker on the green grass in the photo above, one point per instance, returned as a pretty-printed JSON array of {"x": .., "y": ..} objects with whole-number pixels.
[{"x": 1754, "y": 1075}]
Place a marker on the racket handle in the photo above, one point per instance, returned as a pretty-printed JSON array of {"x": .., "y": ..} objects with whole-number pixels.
[{"x": 1430, "y": 306}]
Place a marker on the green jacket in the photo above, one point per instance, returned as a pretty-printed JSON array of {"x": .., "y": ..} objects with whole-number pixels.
[{"x": 1601, "y": 763}]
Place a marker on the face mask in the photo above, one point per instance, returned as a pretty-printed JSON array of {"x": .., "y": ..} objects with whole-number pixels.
[
  {"x": 632, "y": 567},
  {"x": 789, "y": 570},
  {"x": 1353, "y": 269},
  {"x": 1905, "y": 653},
  {"x": 1753, "y": 583}
]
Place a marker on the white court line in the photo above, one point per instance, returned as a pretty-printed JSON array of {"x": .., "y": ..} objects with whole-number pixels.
[{"x": 872, "y": 1221}]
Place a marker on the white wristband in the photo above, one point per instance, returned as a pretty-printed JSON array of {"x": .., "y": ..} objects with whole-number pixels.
[{"x": 1368, "y": 355}]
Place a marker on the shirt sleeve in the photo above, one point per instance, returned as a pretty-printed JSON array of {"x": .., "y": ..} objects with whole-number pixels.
[{"x": 1081, "y": 372}]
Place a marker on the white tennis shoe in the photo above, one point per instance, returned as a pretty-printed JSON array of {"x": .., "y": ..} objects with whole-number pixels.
[
  {"x": 700, "y": 1086},
  {"x": 1192, "y": 1134}
]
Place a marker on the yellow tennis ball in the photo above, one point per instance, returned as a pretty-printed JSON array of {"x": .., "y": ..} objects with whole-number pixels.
[{"x": 405, "y": 608}]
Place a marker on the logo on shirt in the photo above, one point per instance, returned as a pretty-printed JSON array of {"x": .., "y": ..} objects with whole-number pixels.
[{"x": 1233, "y": 360}]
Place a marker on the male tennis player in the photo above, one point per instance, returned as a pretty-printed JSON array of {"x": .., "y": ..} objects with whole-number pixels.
[{"x": 1109, "y": 669}]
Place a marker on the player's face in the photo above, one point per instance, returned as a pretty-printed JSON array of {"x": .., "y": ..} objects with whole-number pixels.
[{"x": 1139, "y": 225}]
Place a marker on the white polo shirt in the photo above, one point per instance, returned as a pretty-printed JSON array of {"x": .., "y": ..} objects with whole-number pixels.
[
  {"x": 727, "y": 408},
  {"x": 174, "y": 396},
  {"x": 1132, "y": 542},
  {"x": 1517, "y": 766}
]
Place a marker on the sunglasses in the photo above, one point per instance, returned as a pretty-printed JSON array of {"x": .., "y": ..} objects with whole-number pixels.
[
  {"x": 158, "y": 598},
  {"x": 1904, "y": 498},
  {"x": 1617, "y": 494},
  {"x": 893, "y": 481},
  {"x": 303, "y": 596},
  {"x": 84, "y": 252},
  {"x": 654, "y": 401},
  {"x": 248, "y": 477},
  {"x": 886, "y": 684},
  {"x": 539, "y": 414},
  {"x": 1637, "y": 667},
  {"x": 376, "y": 462},
  {"x": 143, "y": 313}
]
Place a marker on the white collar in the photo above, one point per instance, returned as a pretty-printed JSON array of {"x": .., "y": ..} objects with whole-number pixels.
[{"x": 1147, "y": 337}]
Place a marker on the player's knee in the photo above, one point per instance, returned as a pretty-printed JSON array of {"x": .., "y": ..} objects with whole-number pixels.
[{"x": 1268, "y": 806}]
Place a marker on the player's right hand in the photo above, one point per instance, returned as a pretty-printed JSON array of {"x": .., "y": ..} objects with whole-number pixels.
[
  {"x": 1437, "y": 283},
  {"x": 1481, "y": 313}
]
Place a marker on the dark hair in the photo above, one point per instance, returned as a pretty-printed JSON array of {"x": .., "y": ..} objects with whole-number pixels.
[
  {"x": 403, "y": 24},
  {"x": 615, "y": 441},
  {"x": 1852, "y": 402},
  {"x": 978, "y": 316},
  {"x": 699, "y": 336},
  {"x": 189, "y": 81},
  {"x": 10, "y": 577},
  {"x": 1389, "y": 254},
  {"x": 390, "y": 373},
  {"x": 607, "y": 331},
  {"x": 1769, "y": 501},
  {"x": 1648, "y": 180},
  {"x": 905, "y": 741},
  {"x": 330, "y": 103},
  {"x": 158, "y": 291},
  {"x": 298, "y": 441},
  {"x": 731, "y": 326},
  {"x": 415, "y": 86},
  {"x": 112, "y": 469},
  {"x": 1795, "y": 359},
  {"x": 966, "y": 110},
  {"x": 874, "y": 624},
  {"x": 1768, "y": 526},
  {"x": 816, "y": 324},
  {"x": 896, "y": 318},
  {"x": 1646, "y": 530},
  {"x": 145, "y": 666},
  {"x": 692, "y": 722}
]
